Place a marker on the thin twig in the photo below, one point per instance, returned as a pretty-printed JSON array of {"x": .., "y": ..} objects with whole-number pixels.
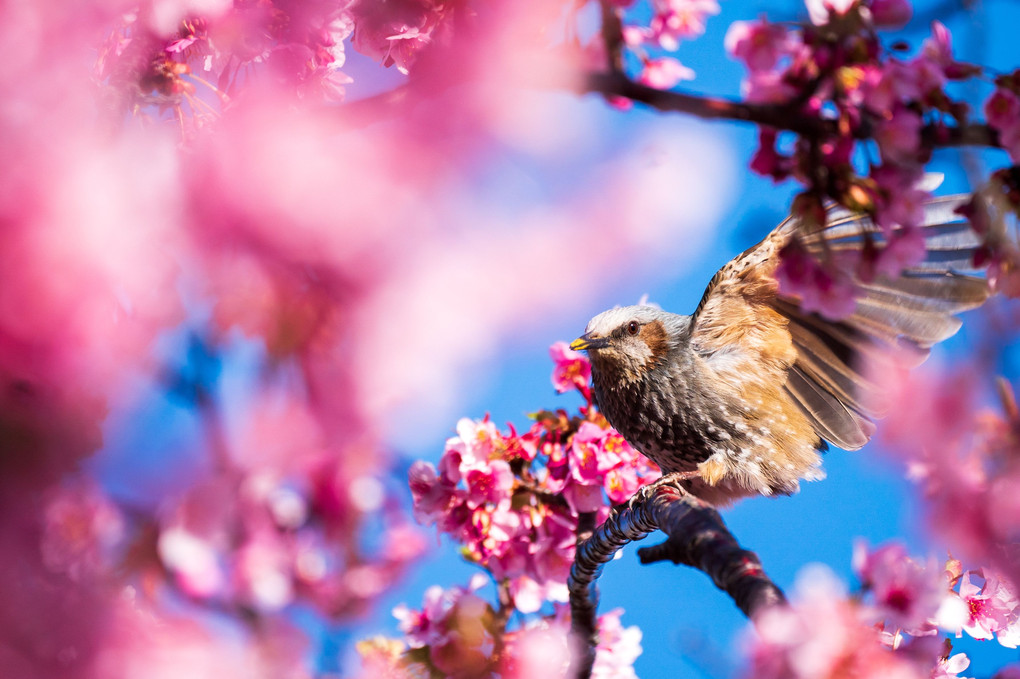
[{"x": 697, "y": 537}]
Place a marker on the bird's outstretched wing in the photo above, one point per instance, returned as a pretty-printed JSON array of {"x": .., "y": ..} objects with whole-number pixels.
[{"x": 826, "y": 363}]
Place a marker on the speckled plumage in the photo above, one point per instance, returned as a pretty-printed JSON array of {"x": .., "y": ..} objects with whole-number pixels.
[{"x": 741, "y": 396}]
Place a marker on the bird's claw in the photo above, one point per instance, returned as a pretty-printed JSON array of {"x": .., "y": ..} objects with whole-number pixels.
[{"x": 645, "y": 493}]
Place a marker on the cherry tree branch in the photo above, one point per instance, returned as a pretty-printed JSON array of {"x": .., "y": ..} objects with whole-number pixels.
[
  {"x": 697, "y": 537},
  {"x": 778, "y": 116},
  {"x": 616, "y": 83}
]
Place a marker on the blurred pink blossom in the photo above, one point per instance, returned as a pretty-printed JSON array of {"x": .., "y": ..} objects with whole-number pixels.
[
  {"x": 767, "y": 160},
  {"x": 663, "y": 73},
  {"x": 825, "y": 290},
  {"x": 767, "y": 87},
  {"x": 907, "y": 594},
  {"x": 540, "y": 649},
  {"x": 820, "y": 10},
  {"x": 901, "y": 196},
  {"x": 899, "y": 137},
  {"x": 82, "y": 527},
  {"x": 455, "y": 626},
  {"x": 821, "y": 634},
  {"x": 617, "y": 649},
  {"x": 677, "y": 20},
  {"x": 950, "y": 668},
  {"x": 571, "y": 369},
  {"x": 891, "y": 13},
  {"x": 760, "y": 45},
  {"x": 904, "y": 250},
  {"x": 1003, "y": 112}
]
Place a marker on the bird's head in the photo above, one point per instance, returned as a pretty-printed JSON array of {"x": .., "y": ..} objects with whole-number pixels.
[{"x": 626, "y": 343}]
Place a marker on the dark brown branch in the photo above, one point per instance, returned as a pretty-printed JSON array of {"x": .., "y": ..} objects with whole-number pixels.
[
  {"x": 616, "y": 83},
  {"x": 778, "y": 116},
  {"x": 697, "y": 537},
  {"x": 612, "y": 36},
  {"x": 711, "y": 108}
]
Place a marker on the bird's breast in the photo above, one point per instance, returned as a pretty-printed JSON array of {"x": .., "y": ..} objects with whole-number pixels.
[{"x": 746, "y": 436}]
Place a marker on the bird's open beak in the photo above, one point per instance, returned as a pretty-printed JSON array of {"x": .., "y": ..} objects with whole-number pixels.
[{"x": 586, "y": 341}]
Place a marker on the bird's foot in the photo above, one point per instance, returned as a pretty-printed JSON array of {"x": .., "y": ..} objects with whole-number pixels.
[{"x": 674, "y": 479}]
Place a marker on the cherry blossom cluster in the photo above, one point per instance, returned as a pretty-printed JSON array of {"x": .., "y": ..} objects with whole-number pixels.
[
  {"x": 966, "y": 461},
  {"x": 826, "y": 633},
  {"x": 458, "y": 634},
  {"x": 837, "y": 74},
  {"x": 513, "y": 500},
  {"x": 892, "y": 627},
  {"x": 671, "y": 22},
  {"x": 283, "y": 541},
  {"x": 910, "y": 597},
  {"x": 992, "y": 213},
  {"x": 837, "y": 70},
  {"x": 186, "y": 57},
  {"x": 831, "y": 97}
]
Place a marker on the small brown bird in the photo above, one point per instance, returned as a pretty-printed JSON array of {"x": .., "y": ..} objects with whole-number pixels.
[{"x": 740, "y": 397}]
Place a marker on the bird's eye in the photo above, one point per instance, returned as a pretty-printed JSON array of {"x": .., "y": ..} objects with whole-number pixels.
[{"x": 633, "y": 327}]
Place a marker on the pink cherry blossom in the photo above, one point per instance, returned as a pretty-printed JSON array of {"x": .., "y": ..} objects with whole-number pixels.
[
  {"x": 820, "y": 10},
  {"x": 767, "y": 160},
  {"x": 891, "y": 13},
  {"x": 394, "y": 33},
  {"x": 677, "y": 20},
  {"x": 993, "y": 607},
  {"x": 907, "y": 594},
  {"x": 586, "y": 453},
  {"x": 552, "y": 550},
  {"x": 617, "y": 649},
  {"x": 760, "y": 45},
  {"x": 950, "y": 668},
  {"x": 491, "y": 485},
  {"x": 81, "y": 528},
  {"x": 571, "y": 369},
  {"x": 904, "y": 250},
  {"x": 433, "y": 495},
  {"x": 541, "y": 649},
  {"x": 829, "y": 292},
  {"x": 1002, "y": 109},
  {"x": 889, "y": 84},
  {"x": 939, "y": 47},
  {"x": 454, "y": 625},
  {"x": 768, "y": 87},
  {"x": 899, "y": 137},
  {"x": 901, "y": 196},
  {"x": 821, "y": 634},
  {"x": 1003, "y": 113},
  {"x": 663, "y": 73}
]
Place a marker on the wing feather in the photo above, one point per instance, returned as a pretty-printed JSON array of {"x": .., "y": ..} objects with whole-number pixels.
[{"x": 823, "y": 364}]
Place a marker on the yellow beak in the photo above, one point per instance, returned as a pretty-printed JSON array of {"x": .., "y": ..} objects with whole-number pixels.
[{"x": 586, "y": 341}]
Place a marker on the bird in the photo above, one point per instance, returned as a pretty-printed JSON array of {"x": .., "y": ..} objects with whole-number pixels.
[{"x": 741, "y": 397}]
